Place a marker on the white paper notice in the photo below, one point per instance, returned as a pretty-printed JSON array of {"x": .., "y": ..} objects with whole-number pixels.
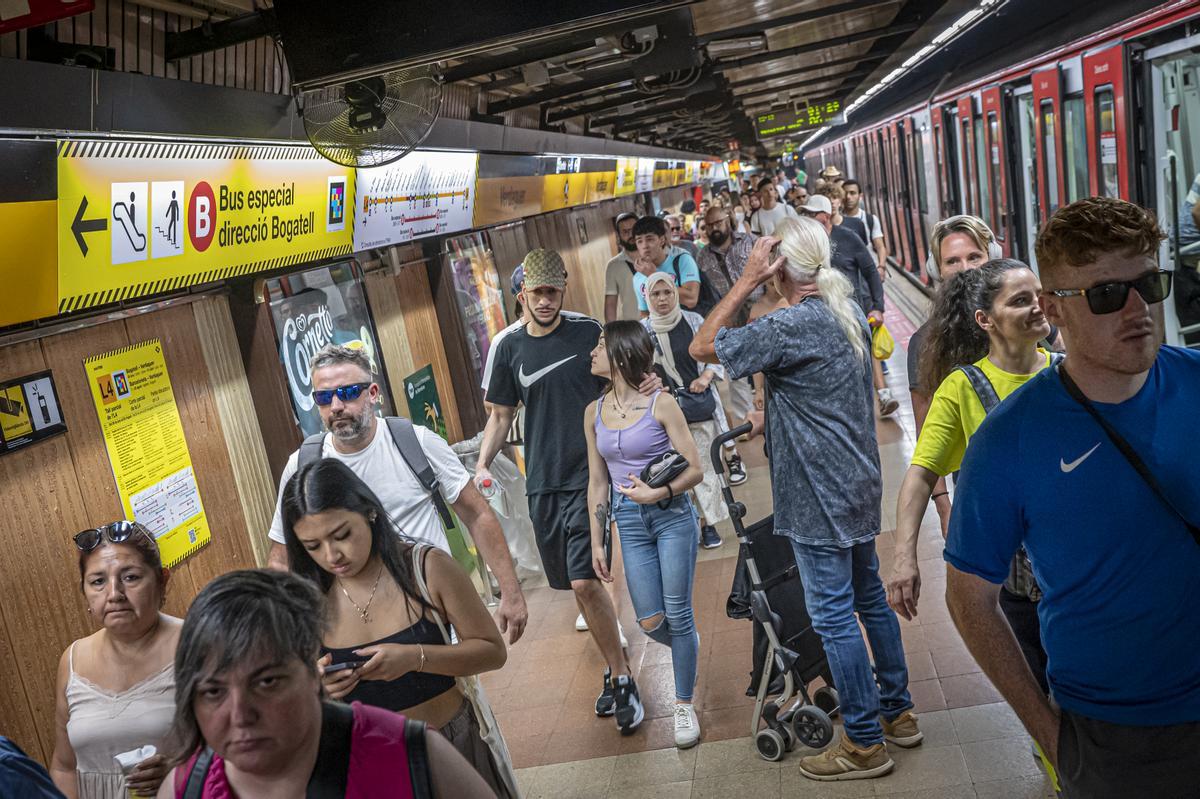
[
  {"x": 167, "y": 504},
  {"x": 423, "y": 194}
]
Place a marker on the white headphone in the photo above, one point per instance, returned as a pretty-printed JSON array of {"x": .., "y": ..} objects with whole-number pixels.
[{"x": 993, "y": 249}]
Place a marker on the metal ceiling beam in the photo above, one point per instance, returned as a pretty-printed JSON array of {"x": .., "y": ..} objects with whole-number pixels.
[
  {"x": 825, "y": 44},
  {"x": 613, "y": 101},
  {"x": 208, "y": 37},
  {"x": 600, "y": 79},
  {"x": 793, "y": 19},
  {"x": 840, "y": 76},
  {"x": 838, "y": 62}
]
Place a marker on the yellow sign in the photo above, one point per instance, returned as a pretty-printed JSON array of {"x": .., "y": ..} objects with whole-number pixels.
[
  {"x": 14, "y": 413},
  {"x": 626, "y": 177},
  {"x": 564, "y": 191},
  {"x": 146, "y": 446},
  {"x": 138, "y": 218}
]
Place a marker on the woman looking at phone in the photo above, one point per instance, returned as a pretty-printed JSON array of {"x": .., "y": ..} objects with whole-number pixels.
[
  {"x": 659, "y": 531},
  {"x": 383, "y": 646}
]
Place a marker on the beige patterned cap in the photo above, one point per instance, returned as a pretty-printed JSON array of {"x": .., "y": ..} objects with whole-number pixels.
[{"x": 544, "y": 268}]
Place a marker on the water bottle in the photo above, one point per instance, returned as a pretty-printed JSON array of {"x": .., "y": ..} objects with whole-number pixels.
[{"x": 491, "y": 492}]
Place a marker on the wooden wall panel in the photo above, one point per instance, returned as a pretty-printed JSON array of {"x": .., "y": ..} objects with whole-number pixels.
[
  {"x": 235, "y": 405},
  {"x": 41, "y": 507},
  {"x": 425, "y": 340},
  {"x": 509, "y": 247},
  {"x": 395, "y": 350},
  {"x": 230, "y": 546}
]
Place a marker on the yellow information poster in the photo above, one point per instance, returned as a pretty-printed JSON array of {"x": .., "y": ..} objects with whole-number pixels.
[
  {"x": 138, "y": 218},
  {"x": 147, "y": 448}
]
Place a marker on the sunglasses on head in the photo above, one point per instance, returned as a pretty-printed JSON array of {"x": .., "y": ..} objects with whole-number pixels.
[
  {"x": 324, "y": 396},
  {"x": 115, "y": 533},
  {"x": 1109, "y": 298}
]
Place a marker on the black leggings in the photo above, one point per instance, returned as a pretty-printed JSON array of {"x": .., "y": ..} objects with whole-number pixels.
[{"x": 1023, "y": 618}]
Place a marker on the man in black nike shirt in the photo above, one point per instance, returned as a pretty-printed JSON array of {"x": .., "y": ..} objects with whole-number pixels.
[{"x": 546, "y": 366}]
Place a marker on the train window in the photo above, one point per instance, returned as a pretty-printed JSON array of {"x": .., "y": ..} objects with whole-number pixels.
[
  {"x": 1051, "y": 151},
  {"x": 993, "y": 170},
  {"x": 919, "y": 167},
  {"x": 1106, "y": 155},
  {"x": 1075, "y": 128},
  {"x": 982, "y": 171},
  {"x": 970, "y": 194},
  {"x": 1027, "y": 188}
]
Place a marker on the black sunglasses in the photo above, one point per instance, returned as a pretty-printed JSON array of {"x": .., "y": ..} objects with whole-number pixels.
[
  {"x": 324, "y": 396},
  {"x": 116, "y": 533},
  {"x": 1110, "y": 297}
]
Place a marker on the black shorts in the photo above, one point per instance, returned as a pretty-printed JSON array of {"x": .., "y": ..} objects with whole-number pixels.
[
  {"x": 564, "y": 536},
  {"x": 1100, "y": 760}
]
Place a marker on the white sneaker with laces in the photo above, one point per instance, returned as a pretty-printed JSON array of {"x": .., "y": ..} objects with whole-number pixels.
[
  {"x": 581, "y": 624},
  {"x": 887, "y": 403},
  {"x": 687, "y": 726}
]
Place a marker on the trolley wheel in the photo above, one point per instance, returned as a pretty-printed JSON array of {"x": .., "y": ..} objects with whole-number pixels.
[
  {"x": 811, "y": 726},
  {"x": 789, "y": 739},
  {"x": 827, "y": 699},
  {"x": 770, "y": 745}
]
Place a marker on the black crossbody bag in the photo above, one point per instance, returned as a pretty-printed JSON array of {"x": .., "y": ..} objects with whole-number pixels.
[{"x": 1125, "y": 449}]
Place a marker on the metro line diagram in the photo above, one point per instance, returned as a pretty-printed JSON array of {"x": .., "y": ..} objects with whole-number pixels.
[{"x": 425, "y": 194}]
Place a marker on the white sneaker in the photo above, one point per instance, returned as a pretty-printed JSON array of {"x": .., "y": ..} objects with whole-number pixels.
[
  {"x": 581, "y": 624},
  {"x": 887, "y": 404},
  {"x": 687, "y": 726}
]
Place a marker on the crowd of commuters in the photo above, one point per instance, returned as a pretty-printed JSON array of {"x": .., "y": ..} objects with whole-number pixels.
[{"x": 1071, "y": 542}]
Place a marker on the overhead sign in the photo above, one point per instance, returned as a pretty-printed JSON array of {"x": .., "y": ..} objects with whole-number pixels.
[
  {"x": 147, "y": 448},
  {"x": 425, "y": 193},
  {"x": 814, "y": 116},
  {"x": 29, "y": 411},
  {"x": 139, "y": 218}
]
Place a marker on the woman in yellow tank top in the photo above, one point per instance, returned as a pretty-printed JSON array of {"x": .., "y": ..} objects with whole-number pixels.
[{"x": 988, "y": 317}]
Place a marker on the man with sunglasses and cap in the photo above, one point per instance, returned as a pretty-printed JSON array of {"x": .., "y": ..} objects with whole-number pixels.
[
  {"x": 1091, "y": 467},
  {"x": 546, "y": 367},
  {"x": 347, "y": 395}
]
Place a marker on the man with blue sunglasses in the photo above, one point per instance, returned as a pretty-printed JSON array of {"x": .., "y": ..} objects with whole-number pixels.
[
  {"x": 1090, "y": 466},
  {"x": 346, "y": 394}
]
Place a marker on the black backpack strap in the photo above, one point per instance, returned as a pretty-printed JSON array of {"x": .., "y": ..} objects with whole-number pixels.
[
  {"x": 194, "y": 787},
  {"x": 1125, "y": 449},
  {"x": 410, "y": 449},
  {"x": 418, "y": 759},
  {"x": 332, "y": 769},
  {"x": 983, "y": 387},
  {"x": 675, "y": 269},
  {"x": 310, "y": 450}
]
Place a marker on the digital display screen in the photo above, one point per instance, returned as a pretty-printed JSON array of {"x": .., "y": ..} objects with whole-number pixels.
[{"x": 813, "y": 116}]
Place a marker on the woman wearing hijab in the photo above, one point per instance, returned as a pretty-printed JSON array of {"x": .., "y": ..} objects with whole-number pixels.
[{"x": 672, "y": 328}]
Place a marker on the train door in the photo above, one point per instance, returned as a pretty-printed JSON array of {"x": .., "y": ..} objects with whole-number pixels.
[
  {"x": 885, "y": 200},
  {"x": 1104, "y": 95},
  {"x": 993, "y": 168},
  {"x": 899, "y": 194},
  {"x": 1027, "y": 170},
  {"x": 1175, "y": 100},
  {"x": 916, "y": 188},
  {"x": 968, "y": 169},
  {"x": 943, "y": 137},
  {"x": 1075, "y": 150},
  {"x": 1047, "y": 102}
]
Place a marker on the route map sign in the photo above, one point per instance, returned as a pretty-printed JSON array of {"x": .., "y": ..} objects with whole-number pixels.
[
  {"x": 814, "y": 116},
  {"x": 425, "y": 193}
]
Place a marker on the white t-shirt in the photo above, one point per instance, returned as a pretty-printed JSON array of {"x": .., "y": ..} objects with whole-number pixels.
[
  {"x": 384, "y": 471},
  {"x": 618, "y": 282},
  {"x": 763, "y": 223},
  {"x": 491, "y": 356}
]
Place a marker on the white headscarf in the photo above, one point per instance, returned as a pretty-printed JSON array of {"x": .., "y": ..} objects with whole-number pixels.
[{"x": 663, "y": 324}]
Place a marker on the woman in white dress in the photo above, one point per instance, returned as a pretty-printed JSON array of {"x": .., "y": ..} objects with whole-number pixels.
[{"x": 116, "y": 687}]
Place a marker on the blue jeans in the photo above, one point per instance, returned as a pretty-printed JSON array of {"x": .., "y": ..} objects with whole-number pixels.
[
  {"x": 838, "y": 582},
  {"x": 659, "y": 550}
]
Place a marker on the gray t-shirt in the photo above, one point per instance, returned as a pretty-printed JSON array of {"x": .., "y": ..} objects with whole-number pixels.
[
  {"x": 825, "y": 476},
  {"x": 618, "y": 282}
]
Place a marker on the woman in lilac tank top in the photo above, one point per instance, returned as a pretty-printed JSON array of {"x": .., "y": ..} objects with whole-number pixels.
[
  {"x": 658, "y": 527},
  {"x": 251, "y": 720}
]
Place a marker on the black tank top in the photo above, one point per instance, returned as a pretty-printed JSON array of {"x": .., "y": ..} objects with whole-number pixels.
[{"x": 411, "y": 689}]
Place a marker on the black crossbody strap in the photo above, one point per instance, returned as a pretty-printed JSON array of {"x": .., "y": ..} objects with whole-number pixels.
[
  {"x": 418, "y": 759},
  {"x": 194, "y": 788},
  {"x": 1125, "y": 449},
  {"x": 332, "y": 769},
  {"x": 984, "y": 389}
]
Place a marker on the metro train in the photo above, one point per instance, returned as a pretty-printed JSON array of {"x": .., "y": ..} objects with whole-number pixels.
[{"x": 1113, "y": 113}]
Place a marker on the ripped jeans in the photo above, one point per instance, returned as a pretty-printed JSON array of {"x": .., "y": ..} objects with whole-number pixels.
[{"x": 659, "y": 551}]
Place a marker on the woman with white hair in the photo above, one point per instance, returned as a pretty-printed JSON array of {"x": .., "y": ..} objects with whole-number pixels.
[
  {"x": 825, "y": 476},
  {"x": 671, "y": 329}
]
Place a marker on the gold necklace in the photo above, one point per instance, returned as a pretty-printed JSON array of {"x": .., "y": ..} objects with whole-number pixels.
[{"x": 363, "y": 611}]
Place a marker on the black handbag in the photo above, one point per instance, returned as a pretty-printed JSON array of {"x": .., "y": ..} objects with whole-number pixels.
[
  {"x": 695, "y": 407},
  {"x": 659, "y": 473}
]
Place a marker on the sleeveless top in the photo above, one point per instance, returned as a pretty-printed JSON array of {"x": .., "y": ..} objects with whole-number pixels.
[
  {"x": 404, "y": 692},
  {"x": 101, "y": 725},
  {"x": 378, "y": 761},
  {"x": 628, "y": 451}
]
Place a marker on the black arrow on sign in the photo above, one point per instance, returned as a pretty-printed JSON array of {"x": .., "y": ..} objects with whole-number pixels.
[{"x": 81, "y": 226}]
